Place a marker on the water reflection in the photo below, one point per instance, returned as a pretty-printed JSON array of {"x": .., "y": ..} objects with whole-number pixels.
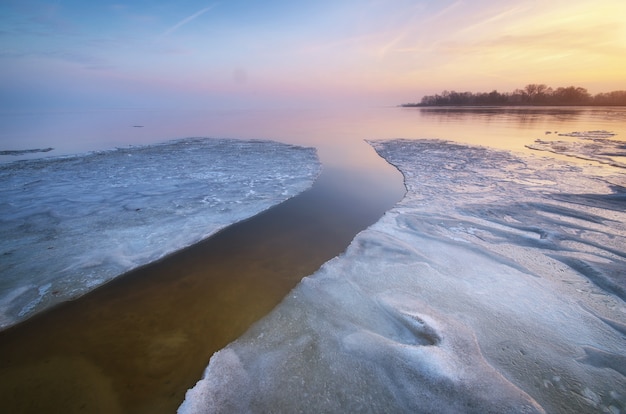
[
  {"x": 523, "y": 117},
  {"x": 338, "y": 134},
  {"x": 503, "y": 110},
  {"x": 514, "y": 128}
]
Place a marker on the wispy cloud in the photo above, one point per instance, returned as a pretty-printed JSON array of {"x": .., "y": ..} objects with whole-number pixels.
[
  {"x": 413, "y": 26},
  {"x": 187, "y": 20}
]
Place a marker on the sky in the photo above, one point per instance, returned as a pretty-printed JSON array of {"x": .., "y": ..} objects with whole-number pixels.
[{"x": 242, "y": 53}]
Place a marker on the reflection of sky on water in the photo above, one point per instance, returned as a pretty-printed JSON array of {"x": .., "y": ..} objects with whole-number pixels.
[
  {"x": 338, "y": 134},
  {"x": 526, "y": 115}
]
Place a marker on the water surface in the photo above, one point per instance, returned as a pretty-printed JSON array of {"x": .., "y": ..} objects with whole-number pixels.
[
  {"x": 337, "y": 133},
  {"x": 138, "y": 343}
]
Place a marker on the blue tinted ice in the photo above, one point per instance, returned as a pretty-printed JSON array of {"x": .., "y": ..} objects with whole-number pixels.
[
  {"x": 496, "y": 285},
  {"x": 70, "y": 224}
]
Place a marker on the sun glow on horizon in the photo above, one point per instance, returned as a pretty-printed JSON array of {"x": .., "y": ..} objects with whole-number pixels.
[{"x": 392, "y": 51}]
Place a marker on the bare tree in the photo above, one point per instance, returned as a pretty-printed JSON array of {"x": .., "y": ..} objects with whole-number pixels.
[{"x": 536, "y": 92}]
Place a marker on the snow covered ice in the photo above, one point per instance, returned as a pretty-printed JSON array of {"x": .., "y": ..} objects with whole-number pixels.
[
  {"x": 495, "y": 286},
  {"x": 70, "y": 224}
]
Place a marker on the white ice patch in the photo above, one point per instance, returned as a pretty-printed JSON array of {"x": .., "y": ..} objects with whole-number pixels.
[
  {"x": 494, "y": 286},
  {"x": 69, "y": 224},
  {"x": 588, "y": 145}
]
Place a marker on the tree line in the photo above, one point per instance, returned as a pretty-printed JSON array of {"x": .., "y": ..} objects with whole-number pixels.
[{"x": 532, "y": 94}]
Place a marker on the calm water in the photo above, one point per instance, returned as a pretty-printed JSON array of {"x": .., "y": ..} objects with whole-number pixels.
[
  {"x": 138, "y": 343},
  {"x": 338, "y": 134}
]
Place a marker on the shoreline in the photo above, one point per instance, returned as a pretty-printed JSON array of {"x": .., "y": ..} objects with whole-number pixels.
[
  {"x": 527, "y": 106},
  {"x": 434, "y": 307},
  {"x": 335, "y": 152},
  {"x": 73, "y": 223},
  {"x": 143, "y": 339}
]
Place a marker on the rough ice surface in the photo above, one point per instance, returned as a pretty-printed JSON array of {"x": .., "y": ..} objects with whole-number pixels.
[
  {"x": 588, "y": 145},
  {"x": 495, "y": 286},
  {"x": 70, "y": 224}
]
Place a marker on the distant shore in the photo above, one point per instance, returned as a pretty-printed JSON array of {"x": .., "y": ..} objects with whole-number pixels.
[
  {"x": 531, "y": 95},
  {"x": 420, "y": 105}
]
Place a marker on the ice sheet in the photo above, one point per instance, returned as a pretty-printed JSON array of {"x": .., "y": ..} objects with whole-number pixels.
[
  {"x": 587, "y": 145},
  {"x": 70, "y": 224},
  {"x": 494, "y": 286}
]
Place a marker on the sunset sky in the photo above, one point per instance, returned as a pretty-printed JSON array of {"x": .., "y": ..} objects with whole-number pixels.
[{"x": 238, "y": 53}]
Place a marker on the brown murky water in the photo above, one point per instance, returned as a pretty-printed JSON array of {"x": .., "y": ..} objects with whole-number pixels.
[{"x": 137, "y": 344}]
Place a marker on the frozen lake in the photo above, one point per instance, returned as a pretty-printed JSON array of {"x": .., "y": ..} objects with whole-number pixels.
[{"x": 350, "y": 165}]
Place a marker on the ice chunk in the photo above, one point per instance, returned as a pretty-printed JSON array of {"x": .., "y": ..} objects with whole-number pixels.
[
  {"x": 453, "y": 302},
  {"x": 70, "y": 224}
]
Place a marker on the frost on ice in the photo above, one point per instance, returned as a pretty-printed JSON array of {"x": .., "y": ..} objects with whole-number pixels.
[
  {"x": 70, "y": 224},
  {"x": 495, "y": 286}
]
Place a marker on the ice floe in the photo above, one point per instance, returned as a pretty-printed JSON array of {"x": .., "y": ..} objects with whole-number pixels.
[
  {"x": 26, "y": 151},
  {"x": 496, "y": 285},
  {"x": 588, "y": 145},
  {"x": 70, "y": 224}
]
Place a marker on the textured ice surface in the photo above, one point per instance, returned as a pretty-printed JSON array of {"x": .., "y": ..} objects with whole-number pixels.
[
  {"x": 495, "y": 286},
  {"x": 70, "y": 224},
  {"x": 587, "y": 145}
]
